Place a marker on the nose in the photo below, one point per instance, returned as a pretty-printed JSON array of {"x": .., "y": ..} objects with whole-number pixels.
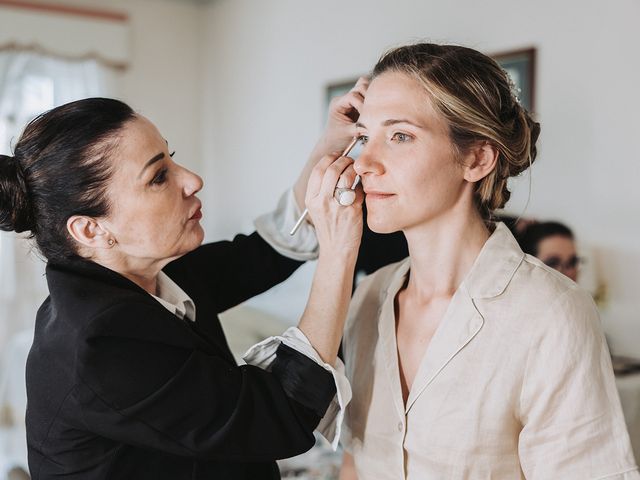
[
  {"x": 368, "y": 162},
  {"x": 192, "y": 183}
]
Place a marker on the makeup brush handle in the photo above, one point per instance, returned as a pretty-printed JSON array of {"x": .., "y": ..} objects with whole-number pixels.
[{"x": 299, "y": 222}]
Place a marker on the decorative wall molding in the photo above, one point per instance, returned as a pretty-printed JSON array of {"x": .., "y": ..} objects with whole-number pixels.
[{"x": 66, "y": 31}]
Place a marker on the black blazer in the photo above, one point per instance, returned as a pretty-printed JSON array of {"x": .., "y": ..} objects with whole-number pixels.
[{"x": 120, "y": 388}]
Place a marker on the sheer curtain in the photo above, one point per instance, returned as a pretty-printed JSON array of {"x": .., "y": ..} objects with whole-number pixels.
[{"x": 30, "y": 83}]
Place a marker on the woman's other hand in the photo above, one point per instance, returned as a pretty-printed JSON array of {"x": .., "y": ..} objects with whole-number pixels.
[
  {"x": 344, "y": 112},
  {"x": 338, "y": 132},
  {"x": 338, "y": 227}
]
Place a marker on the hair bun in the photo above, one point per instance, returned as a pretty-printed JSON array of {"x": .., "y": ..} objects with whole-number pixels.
[{"x": 15, "y": 205}]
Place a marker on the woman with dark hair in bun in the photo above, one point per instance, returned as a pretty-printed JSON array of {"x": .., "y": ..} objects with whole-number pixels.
[
  {"x": 130, "y": 375},
  {"x": 469, "y": 359}
]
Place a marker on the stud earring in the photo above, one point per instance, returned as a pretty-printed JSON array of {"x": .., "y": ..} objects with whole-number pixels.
[{"x": 111, "y": 242}]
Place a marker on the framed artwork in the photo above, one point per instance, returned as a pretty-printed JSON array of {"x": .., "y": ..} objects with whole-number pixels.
[{"x": 521, "y": 65}]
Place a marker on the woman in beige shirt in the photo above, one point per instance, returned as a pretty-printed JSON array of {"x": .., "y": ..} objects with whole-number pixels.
[{"x": 470, "y": 359}]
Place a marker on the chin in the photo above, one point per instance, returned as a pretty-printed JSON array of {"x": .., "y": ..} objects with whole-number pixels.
[
  {"x": 194, "y": 241},
  {"x": 377, "y": 225},
  {"x": 199, "y": 237}
]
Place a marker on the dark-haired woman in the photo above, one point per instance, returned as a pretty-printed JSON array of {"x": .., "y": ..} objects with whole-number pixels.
[
  {"x": 554, "y": 244},
  {"x": 469, "y": 359},
  {"x": 130, "y": 375}
]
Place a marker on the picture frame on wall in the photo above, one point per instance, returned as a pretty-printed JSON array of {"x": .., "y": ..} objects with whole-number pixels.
[
  {"x": 339, "y": 88},
  {"x": 520, "y": 65}
]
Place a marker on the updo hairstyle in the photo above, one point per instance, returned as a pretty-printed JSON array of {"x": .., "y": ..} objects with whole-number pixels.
[{"x": 61, "y": 167}]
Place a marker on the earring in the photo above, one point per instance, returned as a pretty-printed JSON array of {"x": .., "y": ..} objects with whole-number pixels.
[{"x": 111, "y": 242}]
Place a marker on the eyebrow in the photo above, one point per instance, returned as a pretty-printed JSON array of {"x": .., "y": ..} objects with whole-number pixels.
[
  {"x": 392, "y": 121},
  {"x": 156, "y": 158}
]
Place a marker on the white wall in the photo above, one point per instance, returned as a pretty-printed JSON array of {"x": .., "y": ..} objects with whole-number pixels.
[
  {"x": 267, "y": 64},
  {"x": 163, "y": 82},
  {"x": 163, "y": 79}
]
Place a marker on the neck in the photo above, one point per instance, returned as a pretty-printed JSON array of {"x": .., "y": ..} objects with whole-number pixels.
[
  {"x": 142, "y": 273},
  {"x": 148, "y": 282},
  {"x": 442, "y": 253}
]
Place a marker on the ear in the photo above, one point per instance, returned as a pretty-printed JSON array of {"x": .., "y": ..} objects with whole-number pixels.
[
  {"x": 480, "y": 162},
  {"x": 88, "y": 232}
]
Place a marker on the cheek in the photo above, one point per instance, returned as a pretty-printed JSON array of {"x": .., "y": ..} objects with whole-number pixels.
[{"x": 143, "y": 223}]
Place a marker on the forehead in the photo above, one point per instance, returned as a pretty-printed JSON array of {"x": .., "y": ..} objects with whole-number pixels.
[
  {"x": 556, "y": 245},
  {"x": 398, "y": 95},
  {"x": 139, "y": 141}
]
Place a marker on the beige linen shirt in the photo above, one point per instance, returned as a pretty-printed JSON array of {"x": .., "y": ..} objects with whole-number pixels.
[{"x": 516, "y": 382}]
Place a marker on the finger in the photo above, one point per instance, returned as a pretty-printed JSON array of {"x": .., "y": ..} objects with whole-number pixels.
[
  {"x": 346, "y": 103},
  {"x": 332, "y": 174},
  {"x": 361, "y": 86},
  {"x": 315, "y": 179},
  {"x": 347, "y": 107},
  {"x": 347, "y": 177},
  {"x": 343, "y": 182},
  {"x": 362, "y": 83},
  {"x": 355, "y": 100},
  {"x": 359, "y": 196}
]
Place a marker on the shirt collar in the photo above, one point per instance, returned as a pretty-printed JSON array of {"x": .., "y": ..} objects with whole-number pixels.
[
  {"x": 491, "y": 272},
  {"x": 496, "y": 264},
  {"x": 173, "y": 298}
]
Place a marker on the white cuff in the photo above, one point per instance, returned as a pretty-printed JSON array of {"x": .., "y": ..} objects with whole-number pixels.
[
  {"x": 263, "y": 354},
  {"x": 274, "y": 228}
]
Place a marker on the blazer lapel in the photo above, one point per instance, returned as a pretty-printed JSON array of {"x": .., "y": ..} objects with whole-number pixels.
[{"x": 460, "y": 325}]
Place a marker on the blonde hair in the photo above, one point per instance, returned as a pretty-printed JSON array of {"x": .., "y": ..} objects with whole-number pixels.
[{"x": 474, "y": 95}]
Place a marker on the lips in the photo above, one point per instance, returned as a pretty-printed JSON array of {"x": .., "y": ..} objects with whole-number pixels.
[
  {"x": 375, "y": 195},
  {"x": 197, "y": 215}
]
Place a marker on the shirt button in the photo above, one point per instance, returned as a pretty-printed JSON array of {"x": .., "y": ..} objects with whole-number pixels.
[{"x": 400, "y": 426}]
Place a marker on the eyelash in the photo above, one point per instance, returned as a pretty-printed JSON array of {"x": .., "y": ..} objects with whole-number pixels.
[
  {"x": 161, "y": 176},
  {"x": 398, "y": 137}
]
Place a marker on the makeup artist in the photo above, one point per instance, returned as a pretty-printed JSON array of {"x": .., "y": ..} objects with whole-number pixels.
[{"x": 130, "y": 375}]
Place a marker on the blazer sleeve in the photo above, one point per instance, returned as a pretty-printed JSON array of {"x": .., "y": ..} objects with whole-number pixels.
[
  {"x": 573, "y": 425},
  {"x": 137, "y": 388},
  {"x": 231, "y": 271}
]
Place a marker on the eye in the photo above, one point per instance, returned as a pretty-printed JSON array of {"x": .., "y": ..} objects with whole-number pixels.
[
  {"x": 553, "y": 262},
  {"x": 160, "y": 177},
  {"x": 363, "y": 139},
  {"x": 574, "y": 261},
  {"x": 401, "y": 137}
]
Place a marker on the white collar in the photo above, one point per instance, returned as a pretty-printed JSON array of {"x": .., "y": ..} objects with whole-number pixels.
[{"x": 173, "y": 298}]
